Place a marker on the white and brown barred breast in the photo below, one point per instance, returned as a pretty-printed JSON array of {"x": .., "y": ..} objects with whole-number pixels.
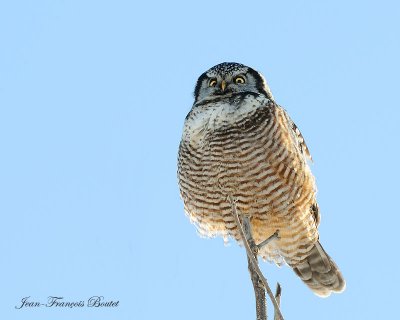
[{"x": 246, "y": 146}]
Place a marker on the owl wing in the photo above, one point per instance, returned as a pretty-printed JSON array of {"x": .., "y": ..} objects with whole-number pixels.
[
  {"x": 297, "y": 137},
  {"x": 299, "y": 142}
]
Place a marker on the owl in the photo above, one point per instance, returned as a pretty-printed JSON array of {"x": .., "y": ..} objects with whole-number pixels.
[{"x": 237, "y": 142}]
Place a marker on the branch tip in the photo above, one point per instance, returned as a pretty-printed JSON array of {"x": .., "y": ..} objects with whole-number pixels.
[{"x": 246, "y": 235}]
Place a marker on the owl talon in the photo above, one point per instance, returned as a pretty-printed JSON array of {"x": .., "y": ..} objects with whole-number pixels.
[{"x": 268, "y": 240}]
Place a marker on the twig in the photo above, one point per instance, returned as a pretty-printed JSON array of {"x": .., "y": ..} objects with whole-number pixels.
[
  {"x": 268, "y": 240},
  {"x": 251, "y": 256}
]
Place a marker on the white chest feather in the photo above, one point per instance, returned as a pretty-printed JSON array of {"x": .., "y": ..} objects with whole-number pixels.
[{"x": 214, "y": 115}]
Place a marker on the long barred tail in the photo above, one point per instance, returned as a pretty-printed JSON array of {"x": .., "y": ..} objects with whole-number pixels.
[{"x": 320, "y": 273}]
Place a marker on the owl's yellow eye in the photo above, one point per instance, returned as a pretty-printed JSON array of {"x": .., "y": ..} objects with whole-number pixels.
[
  {"x": 240, "y": 80},
  {"x": 213, "y": 82}
]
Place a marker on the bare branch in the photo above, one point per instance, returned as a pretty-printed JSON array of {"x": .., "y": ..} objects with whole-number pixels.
[
  {"x": 278, "y": 293},
  {"x": 259, "y": 289},
  {"x": 259, "y": 292},
  {"x": 252, "y": 253}
]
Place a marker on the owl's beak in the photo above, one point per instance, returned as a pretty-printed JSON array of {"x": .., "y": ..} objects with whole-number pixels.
[{"x": 223, "y": 85}]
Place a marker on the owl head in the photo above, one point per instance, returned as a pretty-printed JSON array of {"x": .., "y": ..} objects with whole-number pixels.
[{"x": 228, "y": 78}]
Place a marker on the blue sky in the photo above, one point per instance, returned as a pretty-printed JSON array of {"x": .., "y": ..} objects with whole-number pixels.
[{"x": 93, "y": 95}]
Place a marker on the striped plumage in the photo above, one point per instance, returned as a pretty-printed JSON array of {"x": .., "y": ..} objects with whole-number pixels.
[{"x": 237, "y": 141}]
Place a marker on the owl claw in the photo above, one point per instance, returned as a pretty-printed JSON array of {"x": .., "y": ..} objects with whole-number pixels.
[{"x": 268, "y": 240}]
